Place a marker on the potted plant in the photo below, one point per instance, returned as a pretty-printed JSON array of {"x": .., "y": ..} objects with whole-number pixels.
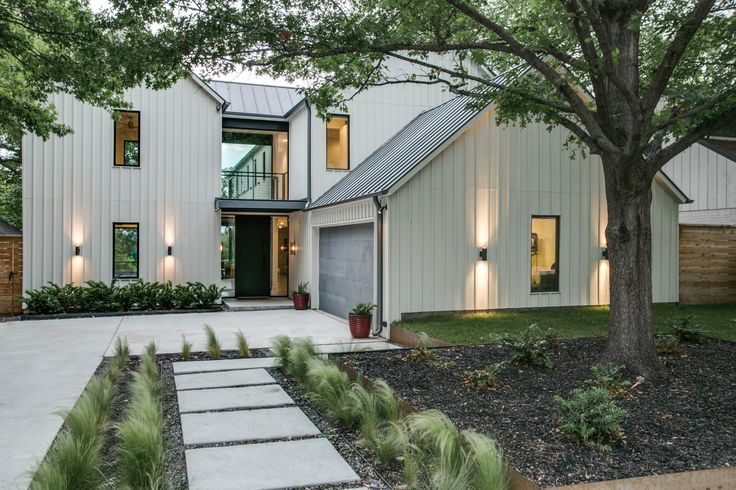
[
  {"x": 300, "y": 296},
  {"x": 360, "y": 319}
]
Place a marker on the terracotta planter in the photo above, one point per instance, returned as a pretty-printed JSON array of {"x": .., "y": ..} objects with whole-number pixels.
[
  {"x": 301, "y": 301},
  {"x": 360, "y": 326}
]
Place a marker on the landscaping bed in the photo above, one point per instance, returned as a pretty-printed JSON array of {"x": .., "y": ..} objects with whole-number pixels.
[{"x": 684, "y": 421}]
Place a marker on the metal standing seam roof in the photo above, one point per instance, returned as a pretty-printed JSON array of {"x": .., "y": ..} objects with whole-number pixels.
[
  {"x": 256, "y": 100},
  {"x": 6, "y": 229},
  {"x": 402, "y": 153}
]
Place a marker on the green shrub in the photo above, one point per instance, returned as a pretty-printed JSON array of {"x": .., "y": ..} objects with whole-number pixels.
[
  {"x": 362, "y": 309},
  {"x": 529, "y": 347},
  {"x": 120, "y": 358},
  {"x": 591, "y": 416},
  {"x": 484, "y": 378},
  {"x": 280, "y": 348},
  {"x": 243, "y": 348},
  {"x": 422, "y": 352},
  {"x": 329, "y": 388},
  {"x": 186, "y": 348},
  {"x": 688, "y": 332},
  {"x": 301, "y": 288},
  {"x": 489, "y": 470},
  {"x": 668, "y": 344},
  {"x": 214, "y": 348},
  {"x": 301, "y": 352},
  {"x": 608, "y": 377},
  {"x": 389, "y": 441}
]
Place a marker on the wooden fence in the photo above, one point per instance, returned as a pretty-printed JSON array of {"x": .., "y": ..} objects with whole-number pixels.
[
  {"x": 707, "y": 264},
  {"x": 11, "y": 278}
]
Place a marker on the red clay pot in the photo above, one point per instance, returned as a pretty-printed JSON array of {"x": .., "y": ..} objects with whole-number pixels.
[
  {"x": 301, "y": 301},
  {"x": 360, "y": 326}
]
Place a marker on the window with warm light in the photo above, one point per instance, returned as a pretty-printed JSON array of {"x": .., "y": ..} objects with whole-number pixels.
[
  {"x": 545, "y": 254},
  {"x": 338, "y": 142},
  {"x": 128, "y": 139},
  {"x": 125, "y": 250}
]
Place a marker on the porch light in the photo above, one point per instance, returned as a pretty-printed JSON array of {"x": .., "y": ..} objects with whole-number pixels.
[
  {"x": 77, "y": 250},
  {"x": 292, "y": 248},
  {"x": 604, "y": 253},
  {"x": 483, "y": 254},
  {"x": 169, "y": 250}
]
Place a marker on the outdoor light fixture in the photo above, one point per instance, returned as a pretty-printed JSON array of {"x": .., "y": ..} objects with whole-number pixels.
[
  {"x": 169, "y": 250},
  {"x": 604, "y": 253},
  {"x": 77, "y": 250},
  {"x": 483, "y": 254},
  {"x": 292, "y": 248}
]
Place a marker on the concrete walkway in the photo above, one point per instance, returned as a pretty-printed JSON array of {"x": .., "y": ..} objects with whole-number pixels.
[
  {"x": 45, "y": 364},
  {"x": 275, "y": 444}
]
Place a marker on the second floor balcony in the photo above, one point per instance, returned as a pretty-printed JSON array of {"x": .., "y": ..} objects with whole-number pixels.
[{"x": 254, "y": 185}]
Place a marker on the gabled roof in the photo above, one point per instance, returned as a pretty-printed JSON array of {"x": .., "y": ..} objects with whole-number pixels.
[
  {"x": 429, "y": 132},
  {"x": 724, "y": 147},
  {"x": 249, "y": 99},
  {"x": 6, "y": 229}
]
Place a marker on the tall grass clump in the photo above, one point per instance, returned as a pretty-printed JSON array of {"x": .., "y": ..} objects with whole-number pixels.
[
  {"x": 214, "y": 348},
  {"x": 243, "y": 348},
  {"x": 74, "y": 461},
  {"x": 301, "y": 352},
  {"x": 280, "y": 348},
  {"x": 186, "y": 348},
  {"x": 329, "y": 388},
  {"x": 141, "y": 451}
]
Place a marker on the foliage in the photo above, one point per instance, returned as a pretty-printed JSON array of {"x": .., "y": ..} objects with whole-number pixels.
[
  {"x": 529, "y": 347},
  {"x": 301, "y": 288},
  {"x": 62, "y": 46},
  {"x": 141, "y": 450},
  {"x": 484, "y": 378},
  {"x": 362, "y": 309},
  {"x": 301, "y": 352},
  {"x": 608, "y": 377},
  {"x": 688, "y": 332},
  {"x": 214, "y": 348},
  {"x": 11, "y": 188},
  {"x": 120, "y": 357},
  {"x": 281, "y": 346},
  {"x": 422, "y": 352},
  {"x": 97, "y": 296},
  {"x": 668, "y": 344},
  {"x": 186, "y": 348},
  {"x": 591, "y": 416},
  {"x": 242, "y": 342},
  {"x": 329, "y": 388}
]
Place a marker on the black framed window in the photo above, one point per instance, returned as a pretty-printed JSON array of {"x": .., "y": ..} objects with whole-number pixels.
[
  {"x": 545, "y": 254},
  {"x": 127, "y": 137},
  {"x": 338, "y": 142},
  {"x": 125, "y": 248}
]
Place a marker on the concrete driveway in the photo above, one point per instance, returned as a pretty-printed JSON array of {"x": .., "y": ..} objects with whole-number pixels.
[{"x": 45, "y": 364}]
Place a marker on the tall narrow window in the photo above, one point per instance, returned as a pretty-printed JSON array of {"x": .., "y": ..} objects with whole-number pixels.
[
  {"x": 338, "y": 143},
  {"x": 125, "y": 250},
  {"x": 545, "y": 254},
  {"x": 128, "y": 139}
]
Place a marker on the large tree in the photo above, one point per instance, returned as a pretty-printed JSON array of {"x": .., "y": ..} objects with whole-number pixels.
[{"x": 634, "y": 81}]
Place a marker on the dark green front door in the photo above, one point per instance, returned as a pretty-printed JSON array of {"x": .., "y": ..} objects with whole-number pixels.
[{"x": 252, "y": 274}]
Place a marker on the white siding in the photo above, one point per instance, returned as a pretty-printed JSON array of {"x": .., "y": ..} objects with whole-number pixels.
[
  {"x": 482, "y": 191},
  {"x": 298, "y": 155},
  {"x": 72, "y": 194},
  {"x": 709, "y": 179}
]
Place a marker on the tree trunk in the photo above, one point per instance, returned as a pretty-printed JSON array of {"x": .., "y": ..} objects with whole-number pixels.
[{"x": 629, "y": 242}]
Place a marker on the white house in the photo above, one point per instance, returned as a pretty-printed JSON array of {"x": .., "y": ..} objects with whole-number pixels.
[{"x": 408, "y": 199}]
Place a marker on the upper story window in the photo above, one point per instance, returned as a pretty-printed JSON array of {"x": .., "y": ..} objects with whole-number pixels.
[
  {"x": 255, "y": 164},
  {"x": 125, "y": 250},
  {"x": 545, "y": 254},
  {"x": 128, "y": 139},
  {"x": 338, "y": 142}
]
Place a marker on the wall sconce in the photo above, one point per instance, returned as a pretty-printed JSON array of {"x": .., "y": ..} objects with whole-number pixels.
[
  {"x": 483, "y": 254},
  {"x": 169, "y": 250},
  {"x": 77, "y": 250},
  {"x": 292, "y": 248},
  {"x": 604, "y": 253}
]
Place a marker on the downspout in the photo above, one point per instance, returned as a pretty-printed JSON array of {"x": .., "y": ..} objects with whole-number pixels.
[
  {"x": 380, "y": 209},
  {"x": 309, "y": 152}
]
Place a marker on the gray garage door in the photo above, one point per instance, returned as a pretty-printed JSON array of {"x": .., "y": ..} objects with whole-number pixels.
[{"x": 345, "y": 267}]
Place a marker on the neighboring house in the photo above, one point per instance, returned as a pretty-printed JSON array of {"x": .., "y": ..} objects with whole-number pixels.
[
  {"x": 707, "y": 174},
  {"x": 11, "y": 268},
  {"x": 408, "y": 199}
]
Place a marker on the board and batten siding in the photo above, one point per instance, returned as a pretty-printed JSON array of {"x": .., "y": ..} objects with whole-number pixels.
[
  {"x": 72, "y": 194},
  {"x": 709, "y": 179},
  {"x": 481, "y": 191}
]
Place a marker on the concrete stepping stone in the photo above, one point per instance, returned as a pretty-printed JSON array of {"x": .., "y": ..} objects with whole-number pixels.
[
  {"x": 224, "y": 365},
  {"x": 227, "y": 398},
  {"x": 221, "y": 379},
  {"x": 347, "y": 348},
  {"x": 267, "y": 466},
  {"x": 246, "y": 425}
]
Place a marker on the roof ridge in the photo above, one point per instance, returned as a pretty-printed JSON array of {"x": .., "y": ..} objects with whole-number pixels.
[{"x": 255, "y": 84}]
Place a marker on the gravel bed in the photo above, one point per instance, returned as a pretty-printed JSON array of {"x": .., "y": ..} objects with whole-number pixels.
[{"x": 684, "y": 421}]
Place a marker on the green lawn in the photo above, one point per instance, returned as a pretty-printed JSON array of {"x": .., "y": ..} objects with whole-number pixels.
[{"x": 719, "y": 321}]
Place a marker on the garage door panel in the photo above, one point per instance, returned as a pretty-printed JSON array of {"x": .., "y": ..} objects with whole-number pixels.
[{"x": 345, "y": 267}]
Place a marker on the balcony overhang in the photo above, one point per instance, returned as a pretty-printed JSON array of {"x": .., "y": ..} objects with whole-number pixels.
[{"x": 259, "y": 205}]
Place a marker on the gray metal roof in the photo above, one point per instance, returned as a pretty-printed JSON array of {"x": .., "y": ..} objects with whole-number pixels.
[
  {"x": 6, "y": 229},
  {"x": 402, "y": 153},
  {"x": 256, "y": 100}
]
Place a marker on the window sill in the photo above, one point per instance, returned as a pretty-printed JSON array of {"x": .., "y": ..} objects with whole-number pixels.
[
  {"x": 127, "y": 166},
  {"x": 338, "y": 169},
  {"x": 535, "y": 293}
]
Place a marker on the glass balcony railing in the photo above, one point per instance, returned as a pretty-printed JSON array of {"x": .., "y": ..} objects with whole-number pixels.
[{"x": 254, "y": 185}]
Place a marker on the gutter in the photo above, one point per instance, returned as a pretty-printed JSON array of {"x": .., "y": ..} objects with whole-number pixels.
[{"x": 380, "y": 209}]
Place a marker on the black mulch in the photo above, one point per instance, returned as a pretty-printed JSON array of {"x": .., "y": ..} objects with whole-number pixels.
[{"x": 686, "y": 421}]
